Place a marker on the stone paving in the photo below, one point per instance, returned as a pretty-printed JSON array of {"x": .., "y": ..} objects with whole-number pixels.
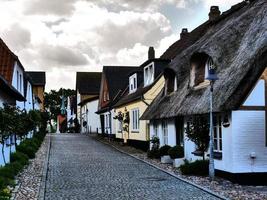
[{"x": 82, "y": 168}]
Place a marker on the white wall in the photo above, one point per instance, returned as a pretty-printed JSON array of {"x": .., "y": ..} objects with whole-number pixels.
[
  {"x": 89, "y": 115},
  {"x": 248, "y": 134},
  {"x": 29, "y": 98},
  {"x": 20, "y": 86},
  {"x": 257, "y": 96}
]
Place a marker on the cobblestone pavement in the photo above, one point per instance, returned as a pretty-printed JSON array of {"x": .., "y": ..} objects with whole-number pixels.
[{"x": 82, "y": 168}]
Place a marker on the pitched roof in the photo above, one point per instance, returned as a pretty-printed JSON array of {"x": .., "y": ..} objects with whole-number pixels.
[
  {"x": 117, "y": 78},
  {"x": 237, "y": 43},
  {"x": 38, "y": 78},
  {"x": 138, "y": 94},
  {"x": 7, "y": 61},
  {"x": 10, "y": 90},
  {"x": 88, "y": 83}
]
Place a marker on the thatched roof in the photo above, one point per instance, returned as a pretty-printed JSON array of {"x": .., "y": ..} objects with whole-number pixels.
[
  {"x": 237, "y": 43},
  {"x": 88, "y": 83}
]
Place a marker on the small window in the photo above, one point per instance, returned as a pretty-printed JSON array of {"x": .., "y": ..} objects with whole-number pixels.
[
  {"x": 155, "y": 127},
  {"x": 170, "y": 80},
  {"x": 218, "y": 134},
  {"x": 135, "y": 120},
  {"x": 149, "y": 74},
  {"x": 199, "y": 70},
  {"x": 132, "y": 83},
  {"x": 17, "y": 80},
  {"x": 20, "y": 83},
  {"x": 165, "y": 132}
]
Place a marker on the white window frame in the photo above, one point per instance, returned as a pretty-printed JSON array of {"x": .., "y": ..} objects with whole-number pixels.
[
  {"x": 165, "y": 132},
  {"x": 133, "y": 83},
  {"x": 156, "y": 128},
  {"x": 217, "y": 137},
  {"x": 175, "y": 87},
  {"x": 149, "y": 77},
  {"x": 135, "y": 123}
]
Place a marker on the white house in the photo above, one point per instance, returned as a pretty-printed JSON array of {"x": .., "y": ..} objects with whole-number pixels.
[
  {"x": 87, "y": 94},
  {"x": 239, "y": 96}
]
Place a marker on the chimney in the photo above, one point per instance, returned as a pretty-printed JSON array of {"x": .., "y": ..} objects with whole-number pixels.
[
  {"x": 184, "y": 33},
  {"x": 151, "y": 53},
  {"x": 214, "y": 13}
]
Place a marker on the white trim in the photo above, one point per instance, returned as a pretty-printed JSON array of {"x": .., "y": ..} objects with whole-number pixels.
[
  {"x": 135, "y": 123},
  {"x": 149, "y": 78},
  {"x": 133, "y": 83}
]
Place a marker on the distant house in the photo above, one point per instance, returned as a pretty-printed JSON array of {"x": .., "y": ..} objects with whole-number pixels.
[
  {"x": 235, "y": 42},
  {"x": 38, "y": 79},
  {"x": 113, "y": 82},
  {"x": 87, "y": 93},
  {"x": 143, "y": 86}
]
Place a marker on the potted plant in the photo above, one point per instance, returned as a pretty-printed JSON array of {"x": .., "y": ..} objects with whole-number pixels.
[
  {"x": 165, "y": 158},
  {"x": 177, "y": 154}
]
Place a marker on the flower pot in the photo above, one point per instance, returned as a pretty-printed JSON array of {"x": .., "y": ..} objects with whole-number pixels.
[
  {"x": 178, "y": 162},
  {"x": 166, "y": 159}
]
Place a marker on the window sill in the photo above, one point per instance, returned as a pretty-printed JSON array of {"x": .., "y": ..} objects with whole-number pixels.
[
  {"x": 134, "y": 131},
  {"x": 217, "y": 155}
]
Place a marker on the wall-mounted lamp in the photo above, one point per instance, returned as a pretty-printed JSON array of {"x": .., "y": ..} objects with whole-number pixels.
[{"x": 226, "y": 122}]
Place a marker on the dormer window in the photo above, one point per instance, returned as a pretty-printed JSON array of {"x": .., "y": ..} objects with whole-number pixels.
[
  {"x": 170, "y": 80},
  {"x": 149, "y": 74},
  {"x": 199, "y": 70},
  {"x": 132, "y": 83}
]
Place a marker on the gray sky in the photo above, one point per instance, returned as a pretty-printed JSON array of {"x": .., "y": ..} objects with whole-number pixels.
[{"x": 65, "y": 36}]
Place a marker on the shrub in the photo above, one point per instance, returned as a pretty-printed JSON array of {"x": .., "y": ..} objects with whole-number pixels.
[
  {"x": 153, "y": 153},
  {"x": 176, "y": 152},
  {"x": 27, "y": 149},
  {"x": 163, "y": 151},
  {"x": 19, "y": 157},
  {"x": 199, "y": 168},
  {"x": 10, "y": 170}
]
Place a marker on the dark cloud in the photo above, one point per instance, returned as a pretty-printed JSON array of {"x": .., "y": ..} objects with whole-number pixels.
[
  {"x": 17, "y": 37},
  {"x": 61, "y": 56},
  {"x": 49, "y": 24},
  {"x": 114, "y": 37},
  {"x": 46, "y": 7}
]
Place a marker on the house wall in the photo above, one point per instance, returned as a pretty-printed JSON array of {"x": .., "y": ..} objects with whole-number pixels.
[
  {"x": 110, "y": 125},
  {"x": 89, "y": 115},
  {"x": 29, "y": 97},
  {"x": 20, "y": 86},
  {"x": 144, "y": 132},
  {"x": 39, "y": 91}
]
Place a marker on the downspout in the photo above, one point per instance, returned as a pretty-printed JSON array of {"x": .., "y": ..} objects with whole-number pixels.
[{"x": 110, "y": 124}]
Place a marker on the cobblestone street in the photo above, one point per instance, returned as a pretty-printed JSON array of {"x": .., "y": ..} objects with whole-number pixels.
[{"x": 82, "y": 168}]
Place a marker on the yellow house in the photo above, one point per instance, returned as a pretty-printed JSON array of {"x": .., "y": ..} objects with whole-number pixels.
[{"x": 144, "y": 85}]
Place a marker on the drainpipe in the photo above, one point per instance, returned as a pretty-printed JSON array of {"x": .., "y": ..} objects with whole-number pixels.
[{"x": 110, "y": 125}]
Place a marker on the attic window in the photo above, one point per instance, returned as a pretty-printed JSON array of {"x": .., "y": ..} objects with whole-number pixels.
[
  {"x": 171, "y": 81},
  {"x": 199, "y": 70},
  {"x": 132, "y": 83},
  {"x": 149, "y": 74}
]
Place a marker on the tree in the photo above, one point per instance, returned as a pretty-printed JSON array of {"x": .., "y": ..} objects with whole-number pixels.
[
  {"x": 197, "y": 131},
  {"x": 52, "y": 102}
]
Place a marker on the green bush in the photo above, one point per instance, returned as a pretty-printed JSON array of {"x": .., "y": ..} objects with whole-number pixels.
[
  {"x": 153, "y": 153},
  {"x": 10, "y": 170},
  {"x": 199, "y": 168},
  {"x": 176, "y": 152},
  {"x": 27, "y": 149},
  {"x": 19, "y": 157},
  {"x": 163, "y": 151}
]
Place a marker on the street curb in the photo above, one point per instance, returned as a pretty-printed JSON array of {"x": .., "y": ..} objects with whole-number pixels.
[
  {"x": 42, "y": 188},
  {"x": 167, "y": 172}
]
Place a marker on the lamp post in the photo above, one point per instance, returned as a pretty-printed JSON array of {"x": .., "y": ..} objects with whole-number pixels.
[{"x": 212, "y": 77}]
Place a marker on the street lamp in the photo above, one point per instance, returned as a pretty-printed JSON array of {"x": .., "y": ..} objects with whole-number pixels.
[{"x": 212, "y": 77}]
